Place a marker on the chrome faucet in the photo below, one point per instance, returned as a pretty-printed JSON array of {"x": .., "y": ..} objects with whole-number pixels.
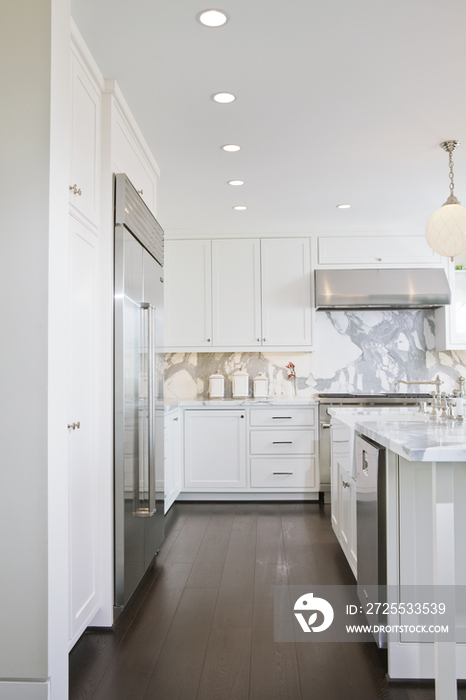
[{"x": 436, "y": 382}]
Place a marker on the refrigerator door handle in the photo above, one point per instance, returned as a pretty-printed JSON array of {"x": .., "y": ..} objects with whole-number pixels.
[{"x": 144, "y": 483}]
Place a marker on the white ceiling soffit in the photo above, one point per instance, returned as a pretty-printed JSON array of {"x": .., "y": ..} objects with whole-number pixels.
[{"x": 335, "y": 102}]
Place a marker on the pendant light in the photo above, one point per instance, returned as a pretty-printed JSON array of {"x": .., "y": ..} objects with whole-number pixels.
[{"x": 446, "y": 228}]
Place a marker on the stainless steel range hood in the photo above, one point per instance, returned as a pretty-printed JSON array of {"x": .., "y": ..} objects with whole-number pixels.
[{"x": 381, "y": 289}]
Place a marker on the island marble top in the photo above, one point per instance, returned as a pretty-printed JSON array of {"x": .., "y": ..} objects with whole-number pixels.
[{"x": 414, "y": 436}]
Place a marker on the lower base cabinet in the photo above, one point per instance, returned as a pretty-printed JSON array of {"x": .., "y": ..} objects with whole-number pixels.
[
  {"x": 215, "y": 450},
  {"x": 254, "y": 450},
  {"x": 347, "y": 518},
  {"x": 343, "y": 496}
]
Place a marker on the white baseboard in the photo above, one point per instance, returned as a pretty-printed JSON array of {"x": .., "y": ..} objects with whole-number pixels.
[
  {"x": 189, "y": 496},
  {"x": 25, "y": 690}
]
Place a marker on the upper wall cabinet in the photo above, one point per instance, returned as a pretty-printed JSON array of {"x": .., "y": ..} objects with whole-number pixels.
[
  {"x": 129, "y": 155},
  {"x": 188, "y": 295},
  {"x": 249, "y": 294},
  {"x": 286, "y": 292},
  {"x": 376, "y": 251},
  {"x": 450, "y": 321},
  {"x": 84, "y": 185},
  {"x": 236, "y": 292}
]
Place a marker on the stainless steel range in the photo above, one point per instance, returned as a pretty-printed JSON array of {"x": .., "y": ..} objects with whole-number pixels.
[{"x": 327, "y": 400}]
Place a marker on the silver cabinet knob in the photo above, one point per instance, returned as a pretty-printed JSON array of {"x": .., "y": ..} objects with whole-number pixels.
[
  {"x": 208, "y": 340},
  {"x": 140, "y": 191},
  {"x": 74, "y": 426},
  {"x": 258, "y": 340},
  {"x": 379, "y": 259},
  {"x": 264, "y": 340},
  {"x": 75, "y": 190}
]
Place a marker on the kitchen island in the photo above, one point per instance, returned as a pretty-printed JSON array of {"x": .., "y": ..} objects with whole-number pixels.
[{"x": 425, "y": 484}]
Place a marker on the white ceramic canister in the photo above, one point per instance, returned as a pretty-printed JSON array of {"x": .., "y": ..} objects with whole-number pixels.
[
  {"x": 216, "y": 386},
  {"x": 239, "y": 384},
  {"x": 261, "y": 386}
]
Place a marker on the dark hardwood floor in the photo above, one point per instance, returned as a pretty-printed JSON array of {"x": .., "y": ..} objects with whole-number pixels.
[{"x": 201, "y": 625}]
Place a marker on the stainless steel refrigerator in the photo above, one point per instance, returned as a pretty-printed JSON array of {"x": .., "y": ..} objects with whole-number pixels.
[{"x": 138, "y": 386}]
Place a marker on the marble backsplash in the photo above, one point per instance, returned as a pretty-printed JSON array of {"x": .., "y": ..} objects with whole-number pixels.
[{"x": 355, "y": 351}]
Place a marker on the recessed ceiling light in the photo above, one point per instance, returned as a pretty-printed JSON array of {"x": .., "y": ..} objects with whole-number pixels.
[
  {"x": 231, "y": 147},
  {"x": 223, "y": 97},
  {"x": 343, "y": 206},
  {"x": 240, "y": 207},
  {"x": 236, "y": 183},
  {"x": 212, "y": 18}
]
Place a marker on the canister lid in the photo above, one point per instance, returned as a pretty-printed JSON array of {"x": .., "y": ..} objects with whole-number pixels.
[
  {"x": 216, "y": 376},
  {"x": 261, "y": 377},
  {"x": 240, "y": 373}
]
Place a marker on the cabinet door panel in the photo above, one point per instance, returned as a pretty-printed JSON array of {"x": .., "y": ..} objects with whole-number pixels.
[
  {"x": 374, "y": 250},
  {"x": 286, "y": 291},
  {"x": 188, "y": 308},
  {"x": 236, "y": 292},
  {"x": 215, "y": 449},
  {"x": 83, "y": 465},
  {"x": 128, "y": 158},
  {"x": 85, "y": 143}
]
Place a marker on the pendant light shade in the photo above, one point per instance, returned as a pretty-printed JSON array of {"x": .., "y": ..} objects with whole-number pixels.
[{"x": 446, "y": 228}]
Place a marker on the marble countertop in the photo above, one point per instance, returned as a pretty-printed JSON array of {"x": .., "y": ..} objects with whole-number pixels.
[
  {"x": 234, "y": 403},
  {"x": 412, "y": 435}
]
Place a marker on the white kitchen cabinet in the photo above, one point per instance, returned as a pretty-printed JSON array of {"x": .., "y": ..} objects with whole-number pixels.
[
  {"x": 215, "y": 450},
  {"x": 84, "y": 184},
  {"x": 286, "y": 292},
  {"x": 172, "y": 457},
  {"x": 282, "y": 448},
  {"x": 188, "y": 294},
  {"x": 235, "y": 299},
  {"x": 347, "y": 518},
  {"x": 343, "y": 494},
  {"x": 83, "y": 429},
  {"x": 129, "y": 153},
  {"x": 450, "y": 321},
  {"x": 236, "y": 292},
  {"x": 375, "y": 251}
]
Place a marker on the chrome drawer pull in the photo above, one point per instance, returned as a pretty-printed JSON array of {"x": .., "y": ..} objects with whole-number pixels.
[
  {"x": 282, "y": 442},
  {"x": 283, "y": 473},
  {"x": 282, "y": 417}
]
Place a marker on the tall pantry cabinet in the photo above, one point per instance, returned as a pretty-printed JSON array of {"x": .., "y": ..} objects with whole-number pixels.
[
  {"x": 84, "y": 311},
  {"x": 105, "y": 139}
]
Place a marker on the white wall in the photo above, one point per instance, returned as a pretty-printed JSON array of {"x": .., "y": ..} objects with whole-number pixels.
[{"x": 33, "y": 379}]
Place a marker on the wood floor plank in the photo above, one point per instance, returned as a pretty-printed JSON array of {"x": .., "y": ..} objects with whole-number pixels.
[
  {"x": 178, "y": 670},
  {"x": 274, "y": 666},
  {"x": 207, "y": 570},
  {"x": 189, "y": 539},
  {"x": 322, "y": 671},
  {"x": 227, "y": 661}
]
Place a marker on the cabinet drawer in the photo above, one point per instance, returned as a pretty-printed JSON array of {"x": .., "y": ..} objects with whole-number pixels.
[
  {"x": 293, "y": 472},
  {"x": 282, "y": 442},
  {"x": 340, "y": 432},
  {"x": 339, "y": 448},
  {"x": 282, "y": 417}
]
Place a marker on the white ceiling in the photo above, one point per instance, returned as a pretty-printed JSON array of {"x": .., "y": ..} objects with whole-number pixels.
[{"x": 337, "y": 101}]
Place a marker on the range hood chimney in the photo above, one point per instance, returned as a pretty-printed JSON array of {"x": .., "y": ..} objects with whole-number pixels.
[{"x": 381, "y": 289}]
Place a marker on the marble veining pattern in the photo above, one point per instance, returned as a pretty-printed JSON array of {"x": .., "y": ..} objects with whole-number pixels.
[{"x": 355, "y": 351}]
